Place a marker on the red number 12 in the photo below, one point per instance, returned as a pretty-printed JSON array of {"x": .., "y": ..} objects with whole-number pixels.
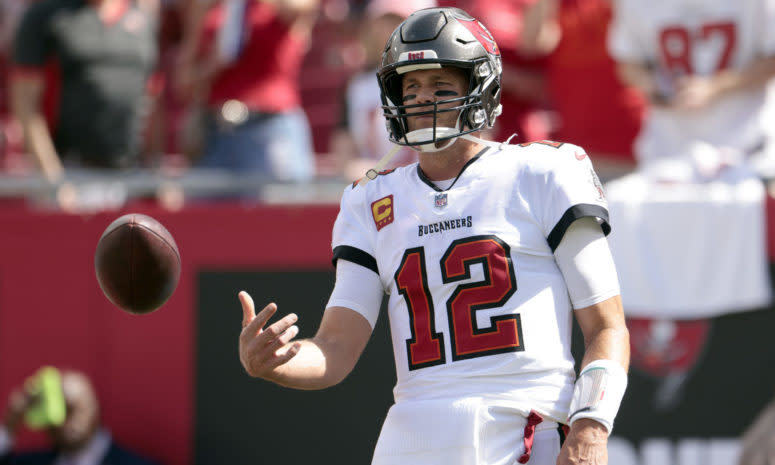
[{"x": 426, "y": 346}]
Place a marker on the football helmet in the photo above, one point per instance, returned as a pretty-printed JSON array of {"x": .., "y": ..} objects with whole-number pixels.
[{"x": 435, "y": 38}]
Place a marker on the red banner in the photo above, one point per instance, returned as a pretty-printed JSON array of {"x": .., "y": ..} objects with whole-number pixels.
[{"x": 52, "y": 310}]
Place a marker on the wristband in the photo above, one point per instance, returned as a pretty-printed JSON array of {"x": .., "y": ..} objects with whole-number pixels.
[{"x": 598, "y": 393}]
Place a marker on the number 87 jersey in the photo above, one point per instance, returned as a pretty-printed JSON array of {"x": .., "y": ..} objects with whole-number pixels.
[{"x": 478, "y": 306}]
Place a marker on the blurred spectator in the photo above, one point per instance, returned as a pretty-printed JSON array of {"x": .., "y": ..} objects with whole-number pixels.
[
  {"x": 758, "y": 441},
  {"x": 10, "y": 144},
  {"x": 704, "y": 67},
  {"x": 361, "y": 137},
  {"x": 594, "y": 108},
  {"x": 525, "y": 97},
  {"x": 239, "y": 67},
  {"x": 65, "y": 405},
  {"x": 166, "y": 117},
  {"x": 105, "y": 52}
]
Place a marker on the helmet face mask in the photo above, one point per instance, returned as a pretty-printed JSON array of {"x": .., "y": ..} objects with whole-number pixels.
[{"x": 432, "y": 39}]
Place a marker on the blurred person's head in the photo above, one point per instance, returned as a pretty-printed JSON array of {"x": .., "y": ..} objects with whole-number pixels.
[
  {"x": 82, "y": 418},
  {"x": 455, "y": 66},
  {"x": 382, "y": 17}
]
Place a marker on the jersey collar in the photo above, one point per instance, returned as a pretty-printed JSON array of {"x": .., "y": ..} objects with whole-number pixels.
[{"x": 433, "y": 186}]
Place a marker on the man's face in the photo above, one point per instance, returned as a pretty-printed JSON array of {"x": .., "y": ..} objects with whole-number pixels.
[
  {"x": 429, "y": 85},
  {"x": 82, "y": 417}
]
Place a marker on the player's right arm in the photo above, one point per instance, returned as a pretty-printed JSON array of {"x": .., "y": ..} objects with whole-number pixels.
[{"x": 269, "y": 352}]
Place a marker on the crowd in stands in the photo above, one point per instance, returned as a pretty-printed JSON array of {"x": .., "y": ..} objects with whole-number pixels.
[{"x": 283, "y": 90}]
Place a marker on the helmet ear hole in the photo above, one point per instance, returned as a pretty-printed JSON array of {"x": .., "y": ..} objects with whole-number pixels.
[
  {"x": 496, "y": 111},
  {"x": 495, "y": 91},
  {"x": 476, "y": 117}
]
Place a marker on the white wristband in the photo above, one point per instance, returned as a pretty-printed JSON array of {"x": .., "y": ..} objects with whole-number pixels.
[{"x": 598, "y": 393}]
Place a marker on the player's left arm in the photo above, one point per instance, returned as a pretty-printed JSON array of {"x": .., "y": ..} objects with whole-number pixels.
[
  {"x": 605, "y": 332},
  {"x": 585, "y": 260},
  {"x": 606, "y": 341}
]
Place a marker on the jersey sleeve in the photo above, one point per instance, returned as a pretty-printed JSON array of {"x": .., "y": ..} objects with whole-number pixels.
[
  {"x": 32, "y": 41},
  {"x": 353, "y": 236},
  {"x": 624, "y": 43},
  {"x": 565, "y": 188}
]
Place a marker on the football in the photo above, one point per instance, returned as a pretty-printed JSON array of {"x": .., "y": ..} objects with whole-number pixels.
[{"x": 137, "y": 263}]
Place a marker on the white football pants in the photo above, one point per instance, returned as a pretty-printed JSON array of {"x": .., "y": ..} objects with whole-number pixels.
[{"x": 463, "y": 432}]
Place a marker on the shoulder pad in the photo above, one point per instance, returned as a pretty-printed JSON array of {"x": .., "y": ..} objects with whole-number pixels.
[
  {"x": 548, "y": 146},
  {"x": 548, "y": 143}
]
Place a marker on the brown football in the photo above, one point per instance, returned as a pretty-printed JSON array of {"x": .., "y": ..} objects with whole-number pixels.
[{"x": 137, "y": 263}]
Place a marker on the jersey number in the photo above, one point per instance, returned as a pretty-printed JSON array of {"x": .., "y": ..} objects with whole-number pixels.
[
  {"x": 426, "y": 346},
  {"x": 675, "y": 45}
]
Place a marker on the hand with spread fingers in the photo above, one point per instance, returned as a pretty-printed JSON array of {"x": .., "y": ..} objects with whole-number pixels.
[
  {"x": 263, "y": 349},
  {"x": 269, "y": 351}
]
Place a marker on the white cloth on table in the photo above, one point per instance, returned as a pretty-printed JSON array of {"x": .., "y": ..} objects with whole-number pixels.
[{"x": 689, "y": 250}]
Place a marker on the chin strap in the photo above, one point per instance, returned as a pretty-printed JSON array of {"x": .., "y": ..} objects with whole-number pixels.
[
  {"x": 381, "y": 164},
  {"x": 420, "y": 134}
]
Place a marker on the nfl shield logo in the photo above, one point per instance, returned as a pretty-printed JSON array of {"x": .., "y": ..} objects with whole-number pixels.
[{"x": 440, "y": 201}]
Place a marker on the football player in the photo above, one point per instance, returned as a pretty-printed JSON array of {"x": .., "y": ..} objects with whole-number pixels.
[{"x": 487, "y": 251}]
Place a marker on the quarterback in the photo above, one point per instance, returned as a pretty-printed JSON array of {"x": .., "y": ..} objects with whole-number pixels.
[{"x": 487, "y": 252}]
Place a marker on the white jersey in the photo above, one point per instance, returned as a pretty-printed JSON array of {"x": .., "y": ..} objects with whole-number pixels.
[
  {"x": 478, "y": 306},
  {"x": 698, "y": 37}
]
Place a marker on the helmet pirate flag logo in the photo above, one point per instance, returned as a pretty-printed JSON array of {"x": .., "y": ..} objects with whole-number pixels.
[{"x": 482, "y": 35}]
